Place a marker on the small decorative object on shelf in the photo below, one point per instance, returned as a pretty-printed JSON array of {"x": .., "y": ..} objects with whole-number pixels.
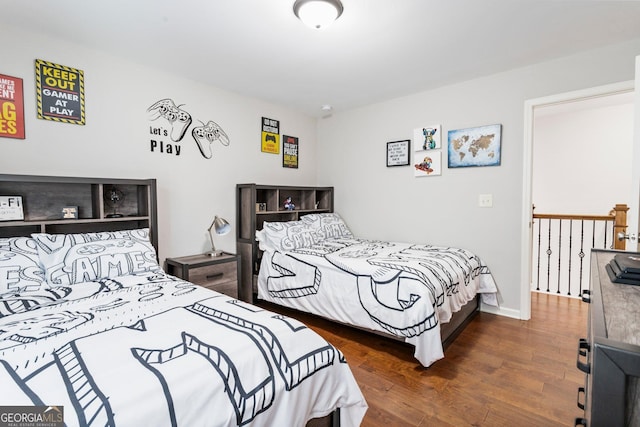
[
  {"x": 11, "y": 208},
  {"x": 114, "y": 196},
  {"x": 288, "y": 204},
  {"x": 70, "y": 212},
  {"x": 261, "y": 207}
]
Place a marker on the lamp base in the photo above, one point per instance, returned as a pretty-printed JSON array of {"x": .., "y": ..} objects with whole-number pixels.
[{"x": 215, "y": 253}]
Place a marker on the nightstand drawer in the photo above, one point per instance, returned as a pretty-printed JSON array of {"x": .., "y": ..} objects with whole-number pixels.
[
  {"x": 216, "y": 276},
  {"x": 219, "y": 273}
]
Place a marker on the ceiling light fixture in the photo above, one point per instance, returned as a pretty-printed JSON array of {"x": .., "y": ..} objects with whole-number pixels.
[{"x": 318, "y": 14}]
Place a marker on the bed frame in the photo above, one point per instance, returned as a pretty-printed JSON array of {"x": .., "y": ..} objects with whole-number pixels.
[{"x": 448, "y": 331}]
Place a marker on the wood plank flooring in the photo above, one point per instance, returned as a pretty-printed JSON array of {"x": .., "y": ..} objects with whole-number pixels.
[{"x": 498, "y": 372}]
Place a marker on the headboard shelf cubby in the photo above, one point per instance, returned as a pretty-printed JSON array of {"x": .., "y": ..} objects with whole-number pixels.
[
  {"x": 256, "y": 204},
  {"x": 100, "y": 204}
]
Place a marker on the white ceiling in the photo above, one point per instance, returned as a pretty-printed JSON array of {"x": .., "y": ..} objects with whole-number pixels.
[{"x": 377, "y": 50}]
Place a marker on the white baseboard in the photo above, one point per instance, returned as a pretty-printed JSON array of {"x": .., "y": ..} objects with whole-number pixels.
[{"x": 507, "y": 312}]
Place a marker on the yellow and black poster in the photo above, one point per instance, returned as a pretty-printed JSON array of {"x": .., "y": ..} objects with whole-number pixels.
[
  {"x": 270, "y": 136},
  {"x": 289, "y": 152},
  {"x": 60, "y": 93}
]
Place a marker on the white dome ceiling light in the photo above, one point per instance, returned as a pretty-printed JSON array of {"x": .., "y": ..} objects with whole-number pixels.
[{"x": 318, "y": 14}]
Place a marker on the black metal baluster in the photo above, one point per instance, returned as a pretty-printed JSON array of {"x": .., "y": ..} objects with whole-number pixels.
[
  {"x": 581, "y": 254},
  {"x": 549, "y": 252},
  {"x": 539, "y": 244},
  {"x": 559, "y": 254},
  {"x": 570, "y": 246}
]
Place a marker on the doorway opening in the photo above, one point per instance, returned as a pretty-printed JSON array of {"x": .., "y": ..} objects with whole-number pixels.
[{"x": 558, "y": 101}]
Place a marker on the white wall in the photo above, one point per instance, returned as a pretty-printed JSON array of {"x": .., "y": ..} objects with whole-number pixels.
[
  {"x": 115, "y": 142},
  {"x": 389, "y": 203},
  {"x": 581, "y": 156},
  {"x": 349, "y": 153}
]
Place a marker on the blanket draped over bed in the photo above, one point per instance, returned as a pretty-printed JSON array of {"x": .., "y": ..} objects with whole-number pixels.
[
  {"x": 402, "y": 289},
  {"x": 150, "y": 349}
]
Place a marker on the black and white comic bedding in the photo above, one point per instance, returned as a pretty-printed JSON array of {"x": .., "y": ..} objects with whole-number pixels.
[
  {"x": 146, "y": 348},
  {"x": 407, "y": 290}
]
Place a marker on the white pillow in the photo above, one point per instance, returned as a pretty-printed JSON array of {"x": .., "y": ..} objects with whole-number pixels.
[
  {"x": 286, "y": 236},
  {"x": 75, "y": 258},
  {"x": 20, "y": 269},
  {"x": 310, "y": 230},
  {"x": 329, "y": 225}
]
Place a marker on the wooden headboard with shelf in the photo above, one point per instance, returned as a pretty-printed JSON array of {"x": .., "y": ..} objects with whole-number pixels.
[{"x": 45, "y": 197}]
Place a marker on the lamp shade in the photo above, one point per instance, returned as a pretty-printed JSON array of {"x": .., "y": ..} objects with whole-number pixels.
[
  {"x": 221, "y": 226},
  {"x": 318, "y": 14}
]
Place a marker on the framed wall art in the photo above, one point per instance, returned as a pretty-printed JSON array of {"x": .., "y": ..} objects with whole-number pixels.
[
  {"x": 59, "y": 93},
  {"x": 398, "y": 153},
  {"x": 11, "y": 107},
  {"x": 479, "y": 146},
  {"x": 428, "y": 163},
  {"x": 427, "y": 138},
  {"x": 289, "y": 152}
]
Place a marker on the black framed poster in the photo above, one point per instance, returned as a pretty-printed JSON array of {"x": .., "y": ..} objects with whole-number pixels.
[
  {"x": 398, "y": 153},
  {"x": 289, "y": 152}
]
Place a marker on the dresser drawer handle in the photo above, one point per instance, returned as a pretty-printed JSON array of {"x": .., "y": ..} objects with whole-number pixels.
[
  {"x": 581, "y": 422},
  {"x": 580, "y": 392},
  {"x": 583, "y": 348},
  {"x": 586, "y": 296},
  {"x": 214, "y": 276}
]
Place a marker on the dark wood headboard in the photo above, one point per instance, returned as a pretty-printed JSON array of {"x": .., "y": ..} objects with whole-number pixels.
[{"x": 45, "y": 199}]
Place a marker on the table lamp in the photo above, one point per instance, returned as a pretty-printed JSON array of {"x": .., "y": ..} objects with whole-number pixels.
[{"x": 220, "y": 226}]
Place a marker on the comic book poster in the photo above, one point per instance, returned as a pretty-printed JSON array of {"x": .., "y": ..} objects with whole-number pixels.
[
  {"x": 289, "y": 152},
  {"x": 60, "y": 93},
  {"x": 11, "y": 107}
]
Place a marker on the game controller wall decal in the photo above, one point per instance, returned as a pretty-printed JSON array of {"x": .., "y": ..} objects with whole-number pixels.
[
  {"x": 205, "y": 135},
  {"x": 178, "y": 121}
]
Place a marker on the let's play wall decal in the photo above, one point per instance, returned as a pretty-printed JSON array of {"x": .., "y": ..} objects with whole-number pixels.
[
  {"x": 60, "y": 93},
  {"x": 173, "y": 122}
]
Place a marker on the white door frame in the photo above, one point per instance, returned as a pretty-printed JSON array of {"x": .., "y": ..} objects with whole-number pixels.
[{"x": 527, "y": 170}]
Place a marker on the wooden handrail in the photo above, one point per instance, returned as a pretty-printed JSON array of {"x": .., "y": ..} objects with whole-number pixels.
[
  {"x": 576, "y": 217},
  {"x": 618, "y": 215}
]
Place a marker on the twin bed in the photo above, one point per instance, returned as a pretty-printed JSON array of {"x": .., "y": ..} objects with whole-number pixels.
[
  {"x": 406, "y": 291},
  {"x": 91, "y": 327}
]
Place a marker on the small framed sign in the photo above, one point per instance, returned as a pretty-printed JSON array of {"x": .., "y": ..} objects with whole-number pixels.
[
  {"x": 398, "y": 153},
  {"x": 11, "y": 208},
  {"x": 70, "y": 212}
]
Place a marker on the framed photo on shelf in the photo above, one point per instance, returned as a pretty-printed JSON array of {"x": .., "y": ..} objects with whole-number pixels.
[
  {"x": 11, "y": 208},
  {"x": 70, "y": 212},
  {"x": 398, "y": 153}
]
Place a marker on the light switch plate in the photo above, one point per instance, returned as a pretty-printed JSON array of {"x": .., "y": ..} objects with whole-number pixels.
[{"x": 485, "y": 200}]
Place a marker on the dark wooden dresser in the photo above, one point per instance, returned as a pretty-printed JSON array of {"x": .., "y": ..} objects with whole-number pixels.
[{"x": 610, "y": 354}]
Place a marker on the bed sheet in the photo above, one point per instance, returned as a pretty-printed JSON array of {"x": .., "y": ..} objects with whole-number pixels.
[
  {"x": 151, "y": 349},
  {"x": 403, "y": 289}
]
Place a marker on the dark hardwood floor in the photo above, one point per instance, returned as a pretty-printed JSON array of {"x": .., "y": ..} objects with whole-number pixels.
[{"x": 498, "y": 372}]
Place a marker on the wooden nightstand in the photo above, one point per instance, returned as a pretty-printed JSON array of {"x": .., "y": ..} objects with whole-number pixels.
[{"x": 219, "y": 273}]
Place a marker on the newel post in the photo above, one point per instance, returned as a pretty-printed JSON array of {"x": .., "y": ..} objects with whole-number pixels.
[{"x": 619, "y": 226}]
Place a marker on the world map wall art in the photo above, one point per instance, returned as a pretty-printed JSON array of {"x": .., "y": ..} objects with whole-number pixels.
[{"x": 479, "y": 146}]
